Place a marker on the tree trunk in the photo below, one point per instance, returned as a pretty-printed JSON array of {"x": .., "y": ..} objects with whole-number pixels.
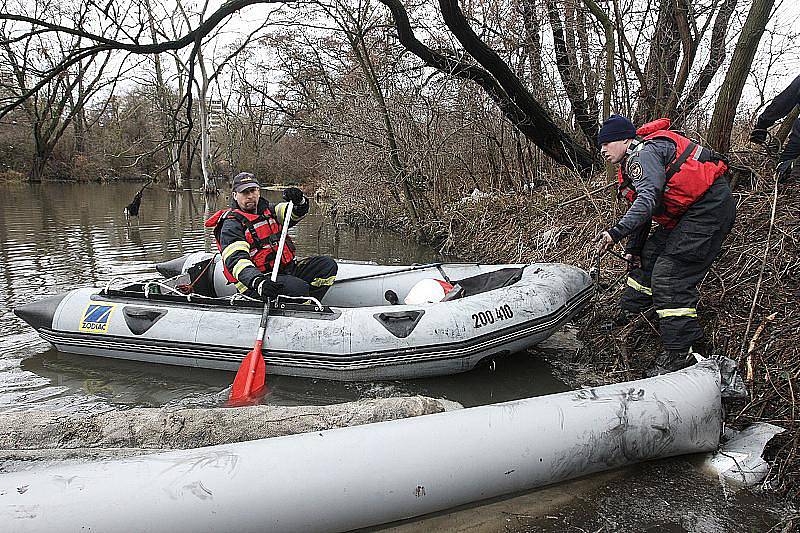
[
  {"x": 719, "y": 134},
  {"x": 532, "y": 45},
  {"x": 168, "y": 129},
  {"x": 39, "y": 165},
  {"x": 715, "y": 59},
  {"x": 568, "y": 69},
  {"x": 608, "y": 28},
  {"x": 205, "y": 127},
  {"x": 689, "y": 45},
  {"x": 786, "y": 125},
  {"x": 659, "y": 72}
]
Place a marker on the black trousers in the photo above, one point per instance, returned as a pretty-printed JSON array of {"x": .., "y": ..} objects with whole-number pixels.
[
  {"x": 675, "y": 261},
  {"x": 311, "y": 276}
]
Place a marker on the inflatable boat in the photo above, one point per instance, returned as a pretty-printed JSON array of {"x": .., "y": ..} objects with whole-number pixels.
[
  {"x": 362, "y": 476},
  {"x": 360, "y": 330}
]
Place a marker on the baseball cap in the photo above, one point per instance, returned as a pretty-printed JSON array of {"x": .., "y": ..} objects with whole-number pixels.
[{"x": 244, "y": 181}]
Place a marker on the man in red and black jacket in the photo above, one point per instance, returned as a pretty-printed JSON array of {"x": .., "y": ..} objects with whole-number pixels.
[
  {"x": 248, "y": 236},
  {"x": 680, "y": 185}
]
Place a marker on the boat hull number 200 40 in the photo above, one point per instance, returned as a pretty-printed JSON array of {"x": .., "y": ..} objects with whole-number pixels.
[{"x": 485, "y": 318}]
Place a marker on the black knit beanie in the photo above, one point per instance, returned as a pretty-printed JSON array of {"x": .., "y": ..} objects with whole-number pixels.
[{"x": 616, "y": 128}]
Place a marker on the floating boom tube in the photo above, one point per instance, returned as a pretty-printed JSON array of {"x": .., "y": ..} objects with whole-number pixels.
[{"x": 362, "y": 476}]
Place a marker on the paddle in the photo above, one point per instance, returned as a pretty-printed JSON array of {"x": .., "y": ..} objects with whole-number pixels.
[{"x": 250, "y": 382}]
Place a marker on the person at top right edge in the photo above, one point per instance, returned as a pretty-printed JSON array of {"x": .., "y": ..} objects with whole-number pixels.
[
  {"x": 669, "y": 179},
  {"x": 788, "y": 165}
]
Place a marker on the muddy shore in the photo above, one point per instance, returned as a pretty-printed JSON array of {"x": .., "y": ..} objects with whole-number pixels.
[{"x": 748, "y": 304}]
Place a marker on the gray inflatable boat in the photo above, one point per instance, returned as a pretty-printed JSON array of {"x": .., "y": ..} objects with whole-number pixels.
[{"x": 354, "y": 333}]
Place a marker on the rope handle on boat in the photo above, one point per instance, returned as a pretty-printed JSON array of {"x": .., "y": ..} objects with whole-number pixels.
[
  {"x": 110, "y": 282},
  {"x": 239, "y": 296},
  {"x": 302, "y": 298}
]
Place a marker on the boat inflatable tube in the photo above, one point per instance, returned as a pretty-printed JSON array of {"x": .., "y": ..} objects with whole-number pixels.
[
  {"x": 358, "y": 331},
  {"x": 362, "y": 476}
]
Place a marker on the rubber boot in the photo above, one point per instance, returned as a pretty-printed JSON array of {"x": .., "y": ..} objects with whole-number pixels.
[
  {"x": 671, "y": 361},
  {"x": 699, "y": 347}
]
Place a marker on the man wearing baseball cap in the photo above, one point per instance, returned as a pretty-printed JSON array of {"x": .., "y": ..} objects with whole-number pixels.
[
  {"x": 669, "y": 179},
  {"x": 248, "y": 236}
]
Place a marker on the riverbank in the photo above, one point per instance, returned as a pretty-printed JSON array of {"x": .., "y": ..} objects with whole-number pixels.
[
  {"x": 50, "y": 437},
  {"x": 748, "y": 303}
]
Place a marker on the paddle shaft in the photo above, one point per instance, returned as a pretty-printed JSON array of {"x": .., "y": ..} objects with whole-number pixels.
[
  {"x": 284, "y": 231},
  {"x": 399, "y": 271},
  {"x": 257, "y": 348}
]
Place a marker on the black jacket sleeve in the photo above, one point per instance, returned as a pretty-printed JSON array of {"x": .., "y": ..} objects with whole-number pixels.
[
  {"x": 637, "y": 239},
  {"x": 780, "y": 106},
  {"x": 298, "y": 211}
]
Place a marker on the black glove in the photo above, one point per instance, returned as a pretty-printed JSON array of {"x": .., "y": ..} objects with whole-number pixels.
[
  {"x": 294, "y": 195},
  {"x": 758, "y": 136},
  {"x": 783, "y": 169},
  {"x": 266, "y": 288}
]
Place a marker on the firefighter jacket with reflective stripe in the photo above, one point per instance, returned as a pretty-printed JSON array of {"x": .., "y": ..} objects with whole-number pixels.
[
  {"x": 262, "y": 233},
  {"x": 688, "y": 176}
]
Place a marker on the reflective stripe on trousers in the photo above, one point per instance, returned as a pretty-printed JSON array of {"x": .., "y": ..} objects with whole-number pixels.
[
  {"x": 678, "y": 311},
  {"x": 635, "y": 285}
]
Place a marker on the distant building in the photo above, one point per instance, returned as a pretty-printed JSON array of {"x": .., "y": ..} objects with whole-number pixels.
[{"x": 216, "y": 113}]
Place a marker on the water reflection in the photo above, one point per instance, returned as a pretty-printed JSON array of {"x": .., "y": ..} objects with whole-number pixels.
[
  {"x": 156, "y": 385},
  {"x": 58, "y": 236}
]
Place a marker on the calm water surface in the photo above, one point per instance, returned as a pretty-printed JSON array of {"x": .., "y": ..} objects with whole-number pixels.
[{"x": 58, "y": 236}]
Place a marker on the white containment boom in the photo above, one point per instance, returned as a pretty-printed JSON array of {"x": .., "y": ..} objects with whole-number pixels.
[{"x": 366, "y": 475}]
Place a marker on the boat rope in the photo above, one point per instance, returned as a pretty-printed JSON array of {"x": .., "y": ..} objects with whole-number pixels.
[
  {"x": 188, "y": 288},
  {"x": 111, "y": 282},
  {"x": 303, "y": 299}
]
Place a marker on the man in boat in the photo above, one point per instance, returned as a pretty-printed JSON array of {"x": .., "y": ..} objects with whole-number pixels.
[
  {"x": 788, "y": 163},
  {"x": 248, "y": 236},
  {"x": 673, "y": 181}
]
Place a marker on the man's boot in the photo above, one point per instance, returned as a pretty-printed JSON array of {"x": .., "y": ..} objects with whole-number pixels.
[
  {"x": 671, "y": 361},
  {"x": 699, "y": 347}
]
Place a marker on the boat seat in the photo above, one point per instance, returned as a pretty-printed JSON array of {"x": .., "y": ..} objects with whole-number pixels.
[
  {"x": 489, "y": 281},
  {"x": 456, "y": 292}
]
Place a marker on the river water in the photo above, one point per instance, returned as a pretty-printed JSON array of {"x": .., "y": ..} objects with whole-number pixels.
[{"x": 58, "y": 236}]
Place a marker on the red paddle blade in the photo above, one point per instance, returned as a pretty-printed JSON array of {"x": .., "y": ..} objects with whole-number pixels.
[{"x": 247, "y": 390}]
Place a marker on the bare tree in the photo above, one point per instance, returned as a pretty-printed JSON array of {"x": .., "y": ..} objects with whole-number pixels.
[
  {"x": 164, "y": 100},
  {"x": 474, "y": 46},
  {"x": 719, "y": 136},
  {"x": 52, "y": 103}
]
